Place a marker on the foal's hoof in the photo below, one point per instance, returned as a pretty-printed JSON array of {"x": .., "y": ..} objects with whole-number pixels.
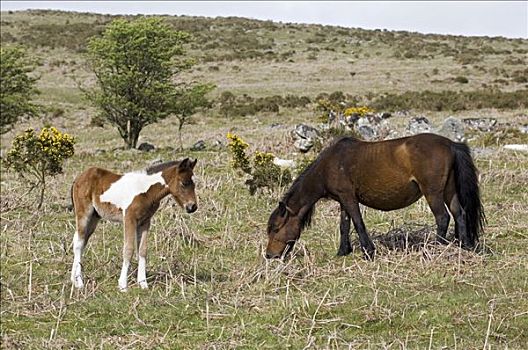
[
  {"x": 143, "y": 285},
  {"x": 78, "y": 282}
]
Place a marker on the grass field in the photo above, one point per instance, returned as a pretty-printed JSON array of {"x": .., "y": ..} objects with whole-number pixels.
[{"x": 209, "y": 284}]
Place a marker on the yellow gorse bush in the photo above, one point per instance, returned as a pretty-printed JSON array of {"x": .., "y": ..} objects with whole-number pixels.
[
  {"x": 361, "y": 111},
  {"x": 263, "y": 158},
  {"x": 263, "y": 173},
  {"x": 238, "y": 147},
  {"x": 34, "y": 156}
]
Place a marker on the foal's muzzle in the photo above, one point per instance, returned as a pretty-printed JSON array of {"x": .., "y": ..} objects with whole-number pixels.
[{"x": 191, "y": 208}]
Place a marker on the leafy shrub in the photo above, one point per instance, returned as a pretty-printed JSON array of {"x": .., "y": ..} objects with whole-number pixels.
[
  {"x": 452, "y": 100},
  {"x": 237, "y": 147},
  {"x": 17, "y": 87},
  {"x": 460, "y": 79},
  {"x": 36, "y": 156},
  {"x": 264, "y": 173},
  {"x": 231, "y": 105}
]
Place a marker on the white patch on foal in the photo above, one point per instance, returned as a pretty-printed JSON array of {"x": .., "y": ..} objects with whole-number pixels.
[{"x": 122, "y": 192}]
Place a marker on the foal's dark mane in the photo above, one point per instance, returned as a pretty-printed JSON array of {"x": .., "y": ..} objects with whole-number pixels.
[{"x": 153, "y": 169}]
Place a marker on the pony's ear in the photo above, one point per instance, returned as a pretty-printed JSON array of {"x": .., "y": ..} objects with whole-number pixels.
[
  {"x": 282, "y": 209},
  {"x": 184, "y": 164},
  {"x": 193, "y": 163}
]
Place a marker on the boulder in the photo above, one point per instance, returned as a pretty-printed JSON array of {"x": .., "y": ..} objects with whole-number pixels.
[
  {"x": 199, "y": 146},
  {"x": 418, "y": 125},
  {"x": 453, "y": 129},
  {"x": 305, "y": 137},
  {"x": 146, "y": 147},
  {"x": 303, "y": 145},
  {"x": 481, "y": 124},
  {"x": 307, "y": 132},
  {"x": 367, "y": 132}
]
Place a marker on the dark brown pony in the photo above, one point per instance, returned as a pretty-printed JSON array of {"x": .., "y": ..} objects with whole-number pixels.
[
  {"x": 385, "y": 175},
  {"x": 132, "y": 198}
]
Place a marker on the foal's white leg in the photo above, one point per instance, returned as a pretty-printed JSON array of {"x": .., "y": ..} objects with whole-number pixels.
[
  {"x": 141, "y": 239},
  {"x": 124, "y": 275},
  {"x": 142, "y": 273},
  {"x": 128, "y": 251},
  {"x": 76, "y": 273}
]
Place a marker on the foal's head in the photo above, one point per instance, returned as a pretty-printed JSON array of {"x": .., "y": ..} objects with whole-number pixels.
[
  {"x": 284, "y": 228},
  {"x": 181, "y": 186}
]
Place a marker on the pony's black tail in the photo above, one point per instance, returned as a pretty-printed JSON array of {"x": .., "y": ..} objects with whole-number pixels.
[{"x": 466, "y": 182}]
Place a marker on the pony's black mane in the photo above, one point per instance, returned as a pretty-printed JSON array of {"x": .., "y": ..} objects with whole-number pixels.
[
  {"x": 153, "y": 169},
  {"x": 306, "y": 220}
]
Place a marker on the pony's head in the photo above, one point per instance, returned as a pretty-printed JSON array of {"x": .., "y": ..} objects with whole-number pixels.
[
  {"x": 284, "y": 228},
  {"x": 181, "y": 184}
]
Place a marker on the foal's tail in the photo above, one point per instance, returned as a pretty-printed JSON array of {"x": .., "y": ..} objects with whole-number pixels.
[
  {"x": 72, "y": 204},
  {"x": 466, "y": 182}
]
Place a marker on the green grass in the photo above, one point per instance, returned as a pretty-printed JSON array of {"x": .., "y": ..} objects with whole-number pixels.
[{"x": 210, "y": 286}]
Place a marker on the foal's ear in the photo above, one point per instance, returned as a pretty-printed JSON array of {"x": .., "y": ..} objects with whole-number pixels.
[
  {"x": 184, "y": 164},
  {"x": 192, "y": 164}
]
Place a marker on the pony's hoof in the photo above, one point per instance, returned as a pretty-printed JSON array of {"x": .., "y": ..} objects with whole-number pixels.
[
  {"x": 143, "y": 284},
  {"x": 123, "y": 289},
  {"x": 344, "y": 252},
  {"x": 369, "y": 254}
]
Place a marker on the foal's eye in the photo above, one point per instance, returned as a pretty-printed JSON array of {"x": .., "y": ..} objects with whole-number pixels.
[{"x": 186, "y": 183}]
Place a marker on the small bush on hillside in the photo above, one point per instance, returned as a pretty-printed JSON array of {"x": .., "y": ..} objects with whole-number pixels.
[
  {"x": 35, "y": 157},
  {"x": 461, "y": 80},
  {"x": 262, "y": 171},
  {"x": 452, "y": 100}
]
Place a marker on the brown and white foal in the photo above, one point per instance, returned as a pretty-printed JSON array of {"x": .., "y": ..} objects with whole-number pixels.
[{"x": 132, "y": 198}]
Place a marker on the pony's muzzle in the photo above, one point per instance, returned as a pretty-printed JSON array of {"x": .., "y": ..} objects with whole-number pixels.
[
  {"x": 191, "y": 207},
  {"x": 272, "y": 256}
]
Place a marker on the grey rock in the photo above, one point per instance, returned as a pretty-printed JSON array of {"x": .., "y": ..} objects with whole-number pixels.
[
  {"x": 367, "y": 132},
  {"x": 146, "y": 147},
  {"x": 304, "y": 131},
  {"x": 418, "y": 125},
  {"x": 453, "y": 129},
  {"x": 199, "y": 146},
  {"x": 481, "y": 124},
  {"x": 303, "y": 145}
]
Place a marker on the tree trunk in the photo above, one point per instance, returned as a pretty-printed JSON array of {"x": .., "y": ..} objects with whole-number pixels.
[
  {"x": 180, "y": 126},
  {"x": 42, "y": 189}
]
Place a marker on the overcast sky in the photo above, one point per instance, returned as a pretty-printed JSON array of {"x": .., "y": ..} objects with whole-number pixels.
[{"x": 491, "y": 18}]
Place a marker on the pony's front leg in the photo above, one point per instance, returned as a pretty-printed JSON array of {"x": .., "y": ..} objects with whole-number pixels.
[
  {"x": 344, "y": 227},
  {"x": 128, "y": 250},
  {"x": 352, "y": 207},
  {"x": 141, "y": 240}
]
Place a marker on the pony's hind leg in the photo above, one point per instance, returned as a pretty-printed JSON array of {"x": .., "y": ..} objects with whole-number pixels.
[
  {"x": 453, "y": 204},
  {"x": 86, "y": 225},
  {"x": 344, "y": 229},
  {"x": 436, "y": 203}
]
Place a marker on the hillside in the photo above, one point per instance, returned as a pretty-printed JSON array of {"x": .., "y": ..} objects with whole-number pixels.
[{"x": 261, "y": 57}]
